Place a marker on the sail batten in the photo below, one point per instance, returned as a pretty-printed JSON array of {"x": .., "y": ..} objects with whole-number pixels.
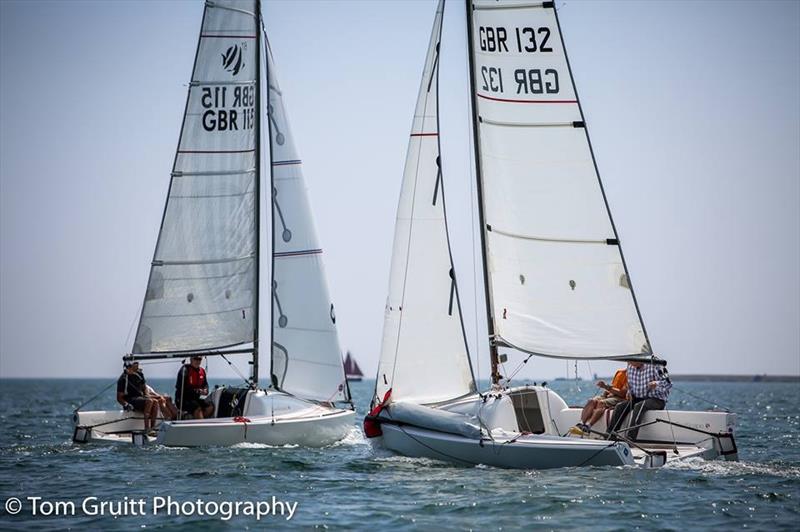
[{"x": 557, "y": 281}]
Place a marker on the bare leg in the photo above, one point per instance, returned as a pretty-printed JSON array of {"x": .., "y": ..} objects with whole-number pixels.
[
  {"x": 170, "y": 411},
  {"x": 154, "y": 418},
  {"x": 153, "y": 414},
  {"x": 209, "y": 411},
  {"x": 588, "y": 410},
  {"x": 198, "y": 413},
  {"x": 596, "y": 415},
  {"x": 162, "y": 408},
  {"x": 148, "y": 406}
]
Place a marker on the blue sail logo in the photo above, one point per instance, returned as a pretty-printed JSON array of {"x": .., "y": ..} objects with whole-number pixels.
[{"x": 232, "y": 59}]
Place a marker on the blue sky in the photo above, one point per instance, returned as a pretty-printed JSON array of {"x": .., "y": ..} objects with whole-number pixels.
[{"x": 693, "y": 110}]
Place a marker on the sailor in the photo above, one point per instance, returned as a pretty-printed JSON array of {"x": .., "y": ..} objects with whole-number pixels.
[
  {"x": 132, "y": 394},
  {"x": 190, "y": 388},
  {"x": 610, "y": 397},
  {"x": 648, "y": 389}
]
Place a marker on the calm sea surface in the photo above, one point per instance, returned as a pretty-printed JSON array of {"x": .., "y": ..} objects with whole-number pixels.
[{"x": 350, "y": 485}]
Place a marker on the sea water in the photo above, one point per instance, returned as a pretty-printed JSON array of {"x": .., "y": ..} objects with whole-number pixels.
[{"x": 352, "y": 485}]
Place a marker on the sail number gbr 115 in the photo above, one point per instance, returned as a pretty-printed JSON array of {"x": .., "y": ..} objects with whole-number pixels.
[
  {"x": 529, "y": 41},
  {"x": 228, "y": 109}
]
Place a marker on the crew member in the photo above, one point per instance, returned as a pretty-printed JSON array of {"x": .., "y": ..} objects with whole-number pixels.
[
  {"x": 190, "y": 388},
  {"x": 132, "y": 394},
  {"x": 648, "y": 389}
]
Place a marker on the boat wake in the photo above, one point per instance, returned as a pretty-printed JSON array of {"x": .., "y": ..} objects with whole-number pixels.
[
  {"x": 253, "y": 445},
  {"x": 727, "y": 469},
  {"x": 353, "y": 437}
]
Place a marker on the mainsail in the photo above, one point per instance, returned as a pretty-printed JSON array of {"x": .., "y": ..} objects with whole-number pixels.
[
  {"x": 558, "y": 282},
  {"x": 306, "y": 357},
  {"x": 351, "y": 368},
  {"x": 201, "y": 293},
  {"x": 424, "y": 357}
]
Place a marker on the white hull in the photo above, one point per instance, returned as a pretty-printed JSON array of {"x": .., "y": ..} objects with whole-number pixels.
[
  {"x": 527, "y": 452},
  {"x": 269, "y": 417},
  {"x": 524, "y": 428}
]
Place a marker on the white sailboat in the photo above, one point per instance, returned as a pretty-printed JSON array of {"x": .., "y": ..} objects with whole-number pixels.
[
  {"x": 556, "y": 284},
  {"x": 203, "y": 292}
]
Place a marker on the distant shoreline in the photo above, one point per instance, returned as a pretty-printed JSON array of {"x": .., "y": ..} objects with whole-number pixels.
[
  {"x": 735, "y": 378},
  {"x": 673, "y": 376}
]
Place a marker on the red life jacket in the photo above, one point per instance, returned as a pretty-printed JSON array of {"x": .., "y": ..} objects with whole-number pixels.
[{"x": 196, "y": 378}]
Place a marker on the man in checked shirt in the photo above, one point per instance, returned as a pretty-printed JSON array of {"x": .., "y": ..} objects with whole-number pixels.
[{"x": 648, "y": 389}]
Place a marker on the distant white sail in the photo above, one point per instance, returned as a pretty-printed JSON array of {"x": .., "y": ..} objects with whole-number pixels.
[
  {"x": 557, "y": 280},
  {"x": 424, "y": 358},
  {"x": 201, "y": 290},
  {"x": 306, "y": 356}
]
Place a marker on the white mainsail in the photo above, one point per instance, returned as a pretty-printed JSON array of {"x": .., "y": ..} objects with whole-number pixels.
[
  {"x": 201, "y": 292},
  {"x": 558, "y": 283},
  {"x": 306, "y": 357},
  {"x": 424, "y": 357}
]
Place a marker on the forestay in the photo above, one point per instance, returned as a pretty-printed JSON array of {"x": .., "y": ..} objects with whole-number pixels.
[
  {"x": 201, "y": 289},
  {"x": 306, "y": 357},
  {"x": 424, "y": 358},
  {"x": 558, "y": 283}
]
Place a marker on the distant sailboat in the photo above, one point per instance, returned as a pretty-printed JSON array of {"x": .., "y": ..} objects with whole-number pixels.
[
  {"x": 351, "y": 369},
  {"x": 204, "y": 291},
  {"x": 555, "y": 281}
]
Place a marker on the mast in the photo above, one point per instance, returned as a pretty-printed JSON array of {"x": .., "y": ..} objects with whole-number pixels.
[
  {"x": 493, "y": 357},
  {"x": 262, "y": 29},
  {"x": 257, "y": 191}
]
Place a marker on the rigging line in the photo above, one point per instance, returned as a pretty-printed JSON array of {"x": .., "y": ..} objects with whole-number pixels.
[
  {"x": 101, "y": 392},
  {"x": 474, "y": 229},
  {"x": 408, "y": 242},
  {"x": 550, "y": 412},
  {"x": 715, "y": 405},
  {"x": 236, "y": 369},
  {"x": 518, "y": 369},
  {"x": 671, "y": 428},
  {"x": 133, "y": 323},
  {"x": 612, "y": 444}
]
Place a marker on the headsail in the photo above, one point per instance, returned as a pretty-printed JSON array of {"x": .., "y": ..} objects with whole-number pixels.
[
  {"x": 559, "y": 286},
  {"x": 424, "y": 357},
  {"x": 306, "y": 357},
  {"x": 201, "y": 289}
]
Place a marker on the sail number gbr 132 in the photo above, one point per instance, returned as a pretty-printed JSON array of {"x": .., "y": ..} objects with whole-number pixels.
[
  {"x": 228, "y": 108},
  {"x": 519, "y": 40}
]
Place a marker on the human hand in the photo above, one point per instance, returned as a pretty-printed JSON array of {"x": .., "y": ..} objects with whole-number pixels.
[
  {"x": 601, "y": 384},
  {"x": 652, "y": 385},
  {"x": 127, "y": 407}
]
